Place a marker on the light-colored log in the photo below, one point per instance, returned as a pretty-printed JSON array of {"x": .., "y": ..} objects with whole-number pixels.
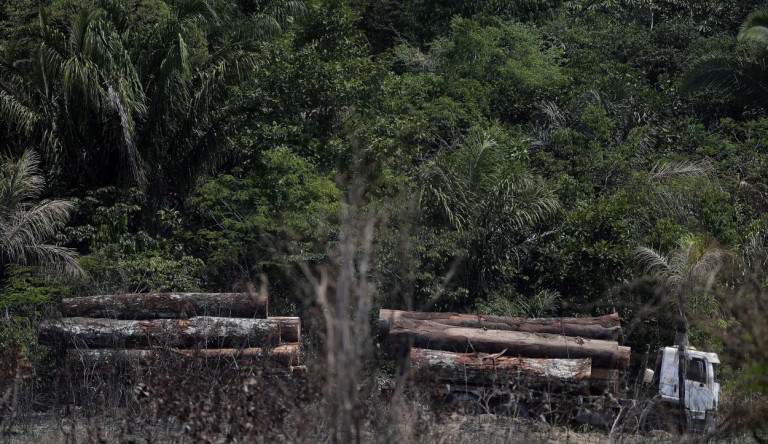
[
  {"x": 432, "y": 335},
  {"x": 606, "y": 327},
  {"x": 200, "y": 331},
  {"x": 484, "y": 369},
  {"x": 166, "y": 305},
  {"x": 106, "y": 359}
]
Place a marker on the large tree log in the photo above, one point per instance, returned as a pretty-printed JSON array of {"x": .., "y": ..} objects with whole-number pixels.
[
  {"x": 166, "y": 305},
  {"x": 484, "y": 369},
  {"x": 107, "y": 360},
  {"x": 604, "y": 327},
  {"x": 604, "y": 373},
  {"x": 199, "y": 331},
  {"x": 429, "y": 334}
]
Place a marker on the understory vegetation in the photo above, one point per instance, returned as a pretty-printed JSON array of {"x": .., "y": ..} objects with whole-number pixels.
[{"x": 530, "y": 158}]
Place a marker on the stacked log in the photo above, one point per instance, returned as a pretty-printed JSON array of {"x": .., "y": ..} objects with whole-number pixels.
[
  {"x": 107, "y": 360},
  {"x": 606, "y": 327},
  {"x": 486, "y": 369},
  {"x": 109, "y": 331},
  {"x": 166, "y": 305},
  {"x": 484, "y": 350}
]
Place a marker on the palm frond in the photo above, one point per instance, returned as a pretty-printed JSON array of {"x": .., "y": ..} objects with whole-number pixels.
[
  {"x": 190, "y": 9},
  {"x": 286, "y": 9},
  {"x": 711, "y": 72},
  {"x": 652, "y": 262},
  {"x": 51, "y": 259},
  {"x": 663, "y": 171},
  {"x": 708, "y": 266},
  {"x": 755, "y": 28},
  {"x": 13, "y": 111},
  {"x": 20, "y": 180},
  {"x": 31, "y": 224},
  {"x": 24, "y": 227},
  {"x": 744, "y": 78}
]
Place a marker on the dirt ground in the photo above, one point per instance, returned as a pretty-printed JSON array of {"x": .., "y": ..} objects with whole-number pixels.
[{"x": 47, "y": 429}]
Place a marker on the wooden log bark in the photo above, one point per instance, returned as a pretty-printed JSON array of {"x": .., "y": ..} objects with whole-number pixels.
[
  {"x": 606, "y": 327},
  {"x": 604, "y": 373},
  {"x": 432, "y": 335},
  {"x": 166, "y": 305},
  {"x": 484, "y": 369},
  {"x": 106, "y": 360},
  {"x": 199, "y": 331}
]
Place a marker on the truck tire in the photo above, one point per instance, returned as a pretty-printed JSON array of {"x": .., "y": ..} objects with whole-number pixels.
[{"x": 661, "y": 419}]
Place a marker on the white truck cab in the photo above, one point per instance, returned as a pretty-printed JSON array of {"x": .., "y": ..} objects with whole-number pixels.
[{"x": 702, "y": 392}]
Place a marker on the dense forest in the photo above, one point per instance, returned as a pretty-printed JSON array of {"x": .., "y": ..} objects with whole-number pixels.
[{"x": 529, "y": 158}]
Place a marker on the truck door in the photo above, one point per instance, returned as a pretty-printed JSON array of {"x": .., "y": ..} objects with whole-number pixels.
[{"x": 699, "y": 395}]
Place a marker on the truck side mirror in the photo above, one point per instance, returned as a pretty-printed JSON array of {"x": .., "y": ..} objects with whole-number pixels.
[{"x": 648, "y": 376}]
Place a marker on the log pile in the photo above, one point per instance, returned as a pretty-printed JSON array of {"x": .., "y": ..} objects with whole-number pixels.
[
  {"x": 579, "y": 353},
  {"x": 107, "y": 332}
]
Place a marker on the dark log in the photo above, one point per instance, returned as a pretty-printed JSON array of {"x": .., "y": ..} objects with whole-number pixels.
[
  {"x": 432, "y": 335},
  {"x": 604, "y": 373},
  {"x": 484, "y": 369},
  {"x": 166, "y": 305},
  {"x": 107, "y": 360},
  {"x": 199, "y": 331},
  {"x": 606, "y": 327}
]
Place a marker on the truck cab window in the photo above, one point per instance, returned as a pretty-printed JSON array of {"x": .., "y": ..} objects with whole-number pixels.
[{"x": 696, "y": 370}]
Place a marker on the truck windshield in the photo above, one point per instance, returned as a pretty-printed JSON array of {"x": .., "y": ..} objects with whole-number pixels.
[{"x": 696, "y": 370}]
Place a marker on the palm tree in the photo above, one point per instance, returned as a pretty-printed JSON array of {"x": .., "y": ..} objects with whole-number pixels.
[
  {"x": 744, "y": 75},
  {"x": 119, "y": 102},
  {"x": 480, "y": 189},
  {"x": 688, "y": 270},
  {"x": 26, "y": 225}
]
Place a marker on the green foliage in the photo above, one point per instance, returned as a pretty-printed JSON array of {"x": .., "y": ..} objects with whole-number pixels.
[
  {"x": 515, "y": 153},
  {"x": 26, "y": 226},
  {"x": 122, "y": 257},
  {"x": 278, "y": 213},
  {"x": 505, "y": 60},
  {"x": 133, "y": 101},
  {"x": 541, "y": 304},
  {"x": 25, "y": 293}
]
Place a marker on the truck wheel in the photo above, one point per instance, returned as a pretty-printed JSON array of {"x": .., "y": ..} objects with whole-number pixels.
[
  {"x": 661, "y": 419},
  {"x": 465, "y": 403}
]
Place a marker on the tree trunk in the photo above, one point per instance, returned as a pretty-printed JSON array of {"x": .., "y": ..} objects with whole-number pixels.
[
  {"x": 199, "y": 331},
  {"x": 106, "y": 360},
  {"x": 682, "y": 344},
  {"x": 429, "y": 334},
  {"x": 483, "y": 369},
  {"x": 166, "y": 305},
  {"x": 604, "y": 327}
]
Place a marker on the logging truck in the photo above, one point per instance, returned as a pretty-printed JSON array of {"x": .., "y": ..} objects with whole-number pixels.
[{"x": 556, "y": 369}]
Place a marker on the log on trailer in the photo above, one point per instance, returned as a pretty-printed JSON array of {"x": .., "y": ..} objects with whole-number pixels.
[
  {"x": 604, "y": 380},
  {"x": 194, "y": 332},
  {"x": 603, "y": 327},
  {"x": 166, "y": 305},
  {"x": 428, "y": 334},
  {"x": 484, "y": 369},
  {"x": 106, "y": 360}
]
